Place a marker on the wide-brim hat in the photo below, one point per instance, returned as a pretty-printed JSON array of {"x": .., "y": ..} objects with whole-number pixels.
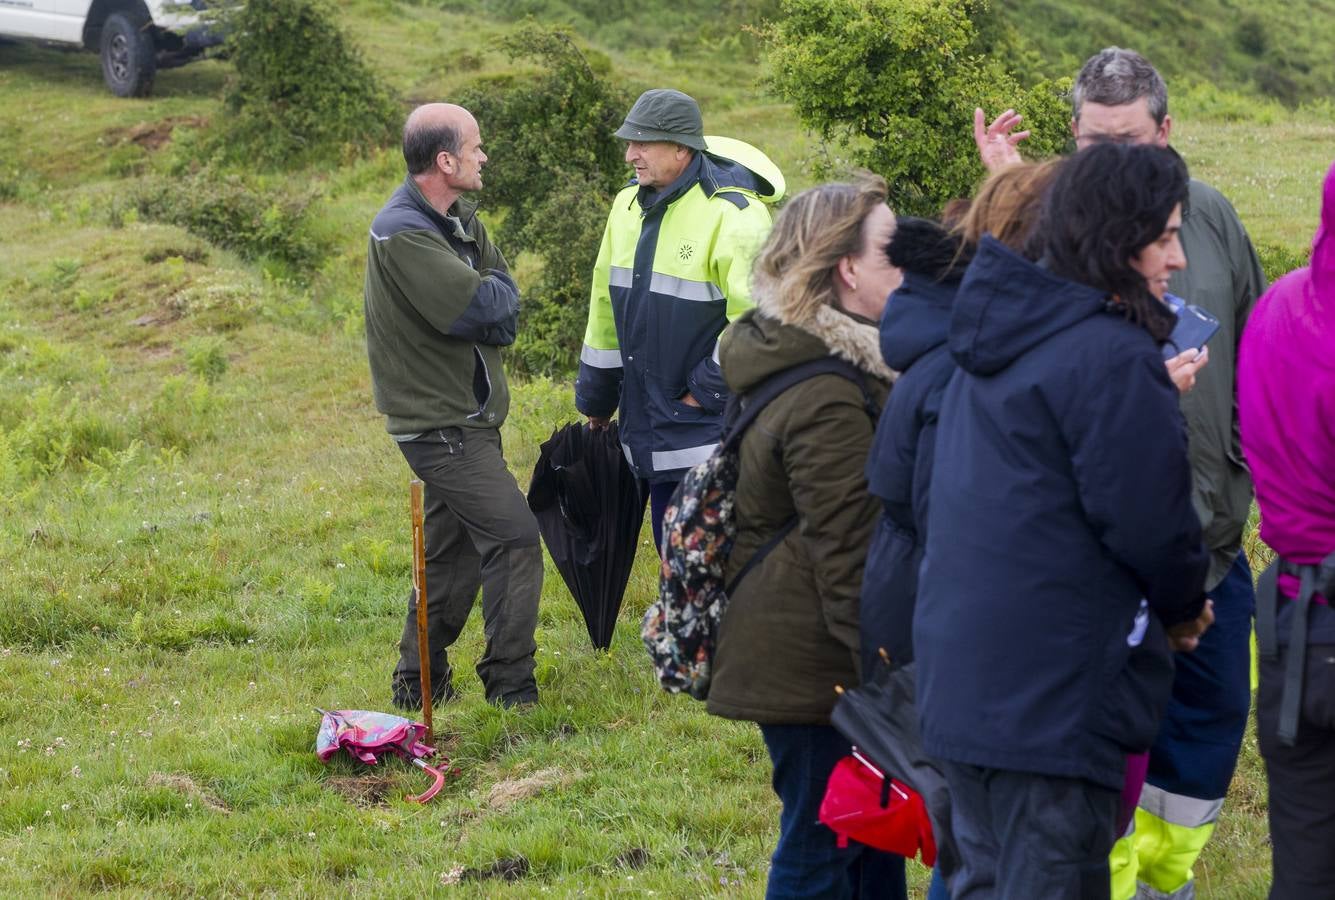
[{"x": 663, "y": 114}]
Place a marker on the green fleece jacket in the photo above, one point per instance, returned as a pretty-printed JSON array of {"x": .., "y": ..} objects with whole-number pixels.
[
  {"x": 440, "y": 304},
  {"x": 1223, "y": 276}
]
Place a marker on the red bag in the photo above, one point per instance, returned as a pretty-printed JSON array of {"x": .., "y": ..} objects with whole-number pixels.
[{"x": 861, "y": 804}]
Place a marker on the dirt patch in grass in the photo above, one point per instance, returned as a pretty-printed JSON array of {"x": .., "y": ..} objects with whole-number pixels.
[
  {"x": 634, "y": 858},
  {"x": 510, "y": 868},
  {"x": 186, "y": 785},
  {"x": 505, "y": 794},
  {"x": 362, "y": 790},
  {"x": 153, "y": 135}
]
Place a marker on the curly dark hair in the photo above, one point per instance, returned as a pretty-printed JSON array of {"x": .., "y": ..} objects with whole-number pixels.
[{"x": 1108, "y": 203}]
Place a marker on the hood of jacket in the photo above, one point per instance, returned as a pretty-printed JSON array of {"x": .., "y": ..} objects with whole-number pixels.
[
  {"x": 1323, "y": 243},
  {"x": 1007, "y": 305},
  {"x": 916, "y": 319},
  {"x": 763, "y": 341},
  {"x": 732, "y": 163}
]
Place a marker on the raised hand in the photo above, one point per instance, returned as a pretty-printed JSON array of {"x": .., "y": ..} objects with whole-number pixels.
[{"x": 996, "y": 145}]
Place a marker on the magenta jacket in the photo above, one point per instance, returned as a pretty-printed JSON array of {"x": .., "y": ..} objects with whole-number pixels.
[{"x": 1286, "y": 403}]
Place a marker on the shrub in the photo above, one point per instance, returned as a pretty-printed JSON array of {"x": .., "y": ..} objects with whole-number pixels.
[
  {"x": 254, "y": 220},
  {"x": 558, "y": 167},
  {"x": 302, "y": 92},
  {"x": 895, "y": 82}
]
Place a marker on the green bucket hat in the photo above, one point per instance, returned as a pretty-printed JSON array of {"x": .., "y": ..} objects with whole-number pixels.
[{"x": 663, "y": 114}]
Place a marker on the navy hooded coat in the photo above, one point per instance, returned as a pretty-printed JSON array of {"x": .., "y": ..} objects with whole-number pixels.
[
  {"x": 899, "y": 467},
  {"x": 1060, "y": 497}
]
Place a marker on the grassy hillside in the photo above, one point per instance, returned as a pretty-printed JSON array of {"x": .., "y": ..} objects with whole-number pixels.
[
  {"x": 1279, "y": 49},
  {"x": 203, "y": 531}
]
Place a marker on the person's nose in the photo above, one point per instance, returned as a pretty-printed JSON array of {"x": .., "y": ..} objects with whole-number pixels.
[
  {"x": 631, "y": 153},
  {"x": 1177, "y": 257}
]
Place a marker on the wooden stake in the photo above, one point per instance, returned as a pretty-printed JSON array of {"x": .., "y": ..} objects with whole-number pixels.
[{"x": 415, "y": 493}]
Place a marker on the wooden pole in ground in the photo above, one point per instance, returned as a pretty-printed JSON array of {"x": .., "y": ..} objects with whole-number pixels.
[{"x": 415, "y": 488}]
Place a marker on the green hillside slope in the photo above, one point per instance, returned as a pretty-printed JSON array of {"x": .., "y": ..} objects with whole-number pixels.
[
  {"x": 204, "y": 528},
  {"x": 1277, "y": 48}
]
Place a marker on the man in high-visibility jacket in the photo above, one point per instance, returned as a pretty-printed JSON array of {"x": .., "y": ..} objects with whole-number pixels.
[
  {"x": 1119, "y": 96},
  {"x": 673, "y": 270}
]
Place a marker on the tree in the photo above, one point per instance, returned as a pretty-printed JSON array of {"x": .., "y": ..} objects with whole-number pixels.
[
  {"x": 558, "y": 167},
  {"x": 894, "y": 83}
]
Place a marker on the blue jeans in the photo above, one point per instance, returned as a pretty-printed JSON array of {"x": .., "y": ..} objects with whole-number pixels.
[
  {"x": 808, "y": 863},
  {"x": 937, "y": 889},
  {"x": 660, "y": 494}
]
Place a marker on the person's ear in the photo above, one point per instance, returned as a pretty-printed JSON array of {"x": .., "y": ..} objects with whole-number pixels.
[
  {"x": 846, "y": 272},
  {"x": 1075, "y": 128},
  {"x": 445, "y": 161},
  {"x": 1165, "y": 129}
]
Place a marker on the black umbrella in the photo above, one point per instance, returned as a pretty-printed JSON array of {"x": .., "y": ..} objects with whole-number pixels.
[
  {"x": 589, "y": 508},
  {"x": 880, "y": 718}
]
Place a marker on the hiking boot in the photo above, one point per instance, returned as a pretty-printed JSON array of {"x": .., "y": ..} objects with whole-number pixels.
[
  {"x": 407, "y": 694},
  {"x": 517, "y": 702}
]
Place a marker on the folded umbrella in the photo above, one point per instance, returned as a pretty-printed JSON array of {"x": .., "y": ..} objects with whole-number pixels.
[
  {"x": 589, "y": 508},
  {"x": 880, "y": 719},
  {"x": 366, "y": 735}
]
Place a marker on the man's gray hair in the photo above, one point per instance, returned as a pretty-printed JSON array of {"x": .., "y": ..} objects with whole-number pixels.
[{"x": 1116, "y": 77}]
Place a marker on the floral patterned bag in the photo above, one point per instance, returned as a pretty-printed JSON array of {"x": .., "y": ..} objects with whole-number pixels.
[{"x": 680, "y": 628}]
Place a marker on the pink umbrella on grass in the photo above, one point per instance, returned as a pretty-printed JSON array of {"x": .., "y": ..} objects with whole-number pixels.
[{"x": 366, "y": 735}]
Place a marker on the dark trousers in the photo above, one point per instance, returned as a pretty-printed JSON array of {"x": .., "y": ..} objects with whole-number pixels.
[
  {"x": 1022, "y": 836},
  {"x": 1301, "y": 778},
  {"x": 808, "y": 863},
  {"x": 1201, "y": 735},
  {"x": 479, "y": 531},
  {"x": 660, "y": 494}
]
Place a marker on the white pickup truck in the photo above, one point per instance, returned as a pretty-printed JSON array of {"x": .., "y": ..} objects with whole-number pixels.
[{"x": 134, "y": 37}]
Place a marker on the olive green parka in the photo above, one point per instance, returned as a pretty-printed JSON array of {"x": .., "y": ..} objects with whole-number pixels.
[{"x": 790, "y": 633}]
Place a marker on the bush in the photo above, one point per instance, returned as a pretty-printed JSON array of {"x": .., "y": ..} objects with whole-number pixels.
[
  {"x": 302, "y": 93},
  {"x": 895, "y": 83},
  {"x": 255, "y": 221},
  {"x": 558, "y": 167}
]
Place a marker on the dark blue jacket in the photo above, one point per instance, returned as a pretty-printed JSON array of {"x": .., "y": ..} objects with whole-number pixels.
[
  {"x": 1060, "y": 497},
  {"x": 899, "y": 467}
]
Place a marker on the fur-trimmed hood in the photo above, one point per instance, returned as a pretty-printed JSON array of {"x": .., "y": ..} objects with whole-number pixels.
[{"x": 768, "y": 339}]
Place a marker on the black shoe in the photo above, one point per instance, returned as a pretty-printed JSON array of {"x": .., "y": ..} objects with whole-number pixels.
[
  {"x": 517, "y": 702},
  {"x": 408, "y": 694}
]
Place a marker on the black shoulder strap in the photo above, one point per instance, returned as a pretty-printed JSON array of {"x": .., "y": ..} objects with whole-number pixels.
[{"x": 743, "y": 409}]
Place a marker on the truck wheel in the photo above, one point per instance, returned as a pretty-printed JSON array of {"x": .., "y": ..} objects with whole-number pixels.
[{"x": 129, "y": 59}]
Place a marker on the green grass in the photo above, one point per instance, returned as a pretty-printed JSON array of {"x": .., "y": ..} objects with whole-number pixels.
[{"x": 204, "y": 535}]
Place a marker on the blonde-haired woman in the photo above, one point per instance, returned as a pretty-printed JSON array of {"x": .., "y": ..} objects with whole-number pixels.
[{"x": 791, "y": 630}]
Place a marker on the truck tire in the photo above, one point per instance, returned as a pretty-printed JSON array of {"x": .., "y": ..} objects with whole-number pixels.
[{"x": 129, "y": 57}]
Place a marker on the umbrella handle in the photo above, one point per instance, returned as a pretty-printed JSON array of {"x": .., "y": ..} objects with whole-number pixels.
[{"x": 434, "y": 789}]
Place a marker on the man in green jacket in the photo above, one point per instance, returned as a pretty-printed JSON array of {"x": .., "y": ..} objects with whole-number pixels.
[
  {"x": 440, "y": 303},
  {"x": 1119, "y": 96}
]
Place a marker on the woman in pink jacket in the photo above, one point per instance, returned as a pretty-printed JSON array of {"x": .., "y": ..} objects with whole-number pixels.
[{"x": 1286, "y": 407}]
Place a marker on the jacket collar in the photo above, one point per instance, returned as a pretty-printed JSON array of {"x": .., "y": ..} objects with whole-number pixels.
[
  {"x": 916, "y": 319},
  {"x": 649, "y": 198},
  {"x": 847, "y": 338},
  {"x": 460, "y": 214}
]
